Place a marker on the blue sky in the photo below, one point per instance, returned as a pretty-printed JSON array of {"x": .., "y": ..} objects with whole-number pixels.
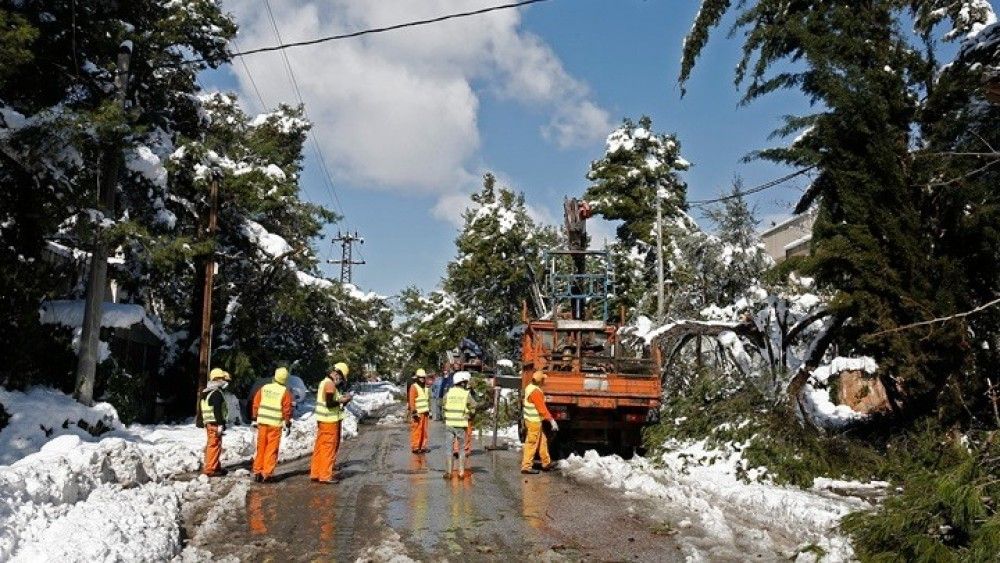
[{"x": 620, "y": 56}]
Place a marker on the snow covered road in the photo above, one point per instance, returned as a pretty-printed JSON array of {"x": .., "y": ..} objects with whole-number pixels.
[{"x": 114, "y": 498}]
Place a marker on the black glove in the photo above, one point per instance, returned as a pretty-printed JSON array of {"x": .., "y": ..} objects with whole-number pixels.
[
  {"x": 416, "y": 417},
  {"x": 288, "y": 428}
]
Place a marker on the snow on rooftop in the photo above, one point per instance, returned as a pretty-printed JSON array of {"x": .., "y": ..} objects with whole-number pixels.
[{"x": 70, "y": 313}]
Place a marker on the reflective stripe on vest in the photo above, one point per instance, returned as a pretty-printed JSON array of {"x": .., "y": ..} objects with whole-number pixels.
[
  {"x": 269, "y": 412},
  {"x": 530, "y": 412},
  {"x": 456, "y": 408},
  {"x": 208, "y": 413},
  {"x": 421, "y": 403},
  {"x": 323, "y": 413}
]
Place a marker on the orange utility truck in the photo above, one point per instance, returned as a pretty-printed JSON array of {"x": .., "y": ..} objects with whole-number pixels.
[{"x": 601, "y": 391}]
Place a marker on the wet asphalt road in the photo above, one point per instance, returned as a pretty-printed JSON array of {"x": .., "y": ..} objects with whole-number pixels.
[{"x": 392, "y": 503}]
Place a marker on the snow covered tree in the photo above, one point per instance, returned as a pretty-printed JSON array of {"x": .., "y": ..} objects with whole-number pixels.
[
  {"x": 60, "y": 126},
  {"x": 431, "y": 324},
  {"x": 880, "y": 200},
  {"x": 637, "y": 172},
  {"x": 499, "y": 248}
]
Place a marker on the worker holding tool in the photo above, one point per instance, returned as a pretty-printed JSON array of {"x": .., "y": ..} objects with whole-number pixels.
[
  {"x": 272, "y": 408},
  {"x": 330, "y": 403},
  {"x": 418, "y": 406},
  {"x": 535, "y": 412},
  {"x": 214, "y": 414},
  {"x": 458, "y": 406}
]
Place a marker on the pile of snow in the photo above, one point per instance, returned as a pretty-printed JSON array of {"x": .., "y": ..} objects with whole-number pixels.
[
  {"x": 718, "y": 510},
  {"x": 80, "y": 497},
  {"x": 42, "y": 414}
]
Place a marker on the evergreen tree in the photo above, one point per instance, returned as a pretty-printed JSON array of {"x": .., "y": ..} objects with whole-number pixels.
[
  {"x": 874, "y": 240},
  {"x": 499, "y": 247},
  {"x": 637, "y": 172},
  {"x": 61, "y": 125}
]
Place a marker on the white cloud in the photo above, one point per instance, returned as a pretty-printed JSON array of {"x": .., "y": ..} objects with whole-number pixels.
[{"x": 399, "y": 110}]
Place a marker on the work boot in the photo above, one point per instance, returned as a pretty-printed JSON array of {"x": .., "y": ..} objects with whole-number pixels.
[
  {"x": 257, "y": 477},
  {"x": 531, "y": 471},
  {"x": 549, "y": 467},
  {"x": 333, "y": 481}
]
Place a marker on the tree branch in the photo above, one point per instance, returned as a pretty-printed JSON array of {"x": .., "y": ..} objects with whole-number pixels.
[{"x": 937, "y": 320}]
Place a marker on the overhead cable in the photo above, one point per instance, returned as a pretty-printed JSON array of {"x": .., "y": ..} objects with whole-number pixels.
[
  {"x": 753, "y": 190},
  {"x": 371, "y": 31}
]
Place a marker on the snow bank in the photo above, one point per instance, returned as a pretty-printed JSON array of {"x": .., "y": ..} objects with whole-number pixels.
[
  {"x": 78, "y": 497},
  {"x": 40, "y": 414},
  {"x": 714, "y": 503}
]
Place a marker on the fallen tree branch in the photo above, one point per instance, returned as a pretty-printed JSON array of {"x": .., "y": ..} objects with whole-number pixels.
[{"x": 938, "y": 320}]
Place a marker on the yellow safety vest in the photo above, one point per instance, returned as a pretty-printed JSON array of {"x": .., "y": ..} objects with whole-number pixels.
[
  {"x": 530, "y": 412},
  {"x": 323, "y": 413},
  {"x": 269, "y": 412},
  {"x": 456, "y": 407},
  {"x": 208, "y": 413},
  {"x": 421, "y": 403}
]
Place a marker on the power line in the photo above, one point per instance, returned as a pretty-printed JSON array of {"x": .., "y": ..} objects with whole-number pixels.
[
  {"x": 253, "y": 83},
  {"x": 331, "y": 189},
  {"x": 371, "y": 31},
  {"x": 753, "y": 190}
]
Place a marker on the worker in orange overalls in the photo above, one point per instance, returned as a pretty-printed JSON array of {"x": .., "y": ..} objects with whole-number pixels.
[
  {"x": 535, "y": 412},
  {"x": 214, "y": 414},
  {"x": 419, "y": 407},
  {"x": 329, "y": 413},
  {"x": 272, "y": 408}
]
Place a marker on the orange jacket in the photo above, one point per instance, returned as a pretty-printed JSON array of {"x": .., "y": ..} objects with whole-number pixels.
[
  {"x": 537, "y": 398},
  {"x": 286, "y": 405}
]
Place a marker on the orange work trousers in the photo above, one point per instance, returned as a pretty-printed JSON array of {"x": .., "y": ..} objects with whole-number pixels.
[
  {"x": 324, "y": 458},
  {"x": 418, "y": 432},
  {"x": 468, "y": 441},
  {"x": 266, "y": 458},
  {"x": 213, "y": 450},
  {"x": 535, "y": 442}
]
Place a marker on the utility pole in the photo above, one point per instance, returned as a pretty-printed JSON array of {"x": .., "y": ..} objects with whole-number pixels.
[
  {"x": 659, "y": 257},
  {"x": 86, "y": 367},
  {"x": 346, "y": 241},
  {"x": 205, "y": 344}
]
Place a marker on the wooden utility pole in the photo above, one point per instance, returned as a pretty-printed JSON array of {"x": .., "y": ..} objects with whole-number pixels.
[
  {"x": 205, "y": 344},
  {"x": 86, "y": 367},
  {"x": 346, "y": 241}
]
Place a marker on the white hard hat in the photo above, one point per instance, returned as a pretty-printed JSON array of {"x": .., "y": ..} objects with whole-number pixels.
[{"x": 461, "y": 376}]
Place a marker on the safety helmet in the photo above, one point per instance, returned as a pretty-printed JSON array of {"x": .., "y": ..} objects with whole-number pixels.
[
  {"x": 281, "y": 375},
  {"x": 218, "y": 373},
  {"x": 420, "y": 373},
  {"x": 342, "y": 368},
  {"x": 461, "y": 376},
  {"x": 538, "y": 376}
]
